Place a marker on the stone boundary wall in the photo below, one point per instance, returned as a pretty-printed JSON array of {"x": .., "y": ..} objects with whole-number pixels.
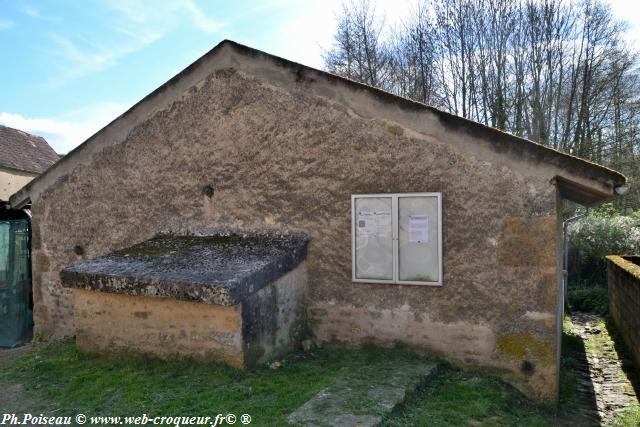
[{"x": 623, "y": 278}]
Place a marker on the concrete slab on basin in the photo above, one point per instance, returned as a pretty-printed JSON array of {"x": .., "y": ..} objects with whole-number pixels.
[{"x": 222, "y": 269}]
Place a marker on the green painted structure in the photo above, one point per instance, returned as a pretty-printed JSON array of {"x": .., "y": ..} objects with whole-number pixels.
[{"x": 15, "y": 282}]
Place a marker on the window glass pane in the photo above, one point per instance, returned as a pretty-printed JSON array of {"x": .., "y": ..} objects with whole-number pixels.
[
  {"x": 418, "y": 244},
  {"x": 373, "y": 238}
]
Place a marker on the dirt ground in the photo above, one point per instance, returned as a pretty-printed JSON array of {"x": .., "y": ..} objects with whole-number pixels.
[{"x": 13, "y": 398}]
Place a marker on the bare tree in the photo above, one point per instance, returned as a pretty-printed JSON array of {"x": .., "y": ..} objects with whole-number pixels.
[
  {"x": 554, "y": 71},
  {"x": 359, "y": 51}
]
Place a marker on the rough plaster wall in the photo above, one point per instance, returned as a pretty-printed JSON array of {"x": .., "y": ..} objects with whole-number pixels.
[
  {"x": 12, "y": 180},
  {"x": 284, "y": 159},
  {"x": 162, "y": 327}
]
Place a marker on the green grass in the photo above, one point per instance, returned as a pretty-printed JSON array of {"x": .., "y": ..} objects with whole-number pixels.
[
  {"x": 572, "y": 352},
  {"x": 630, "y": 417},
  {"x": 129, "y": 384},
  {"x": 460, "y": 398},
  {"x": 596, "y": 344},
  {"x": 132, "y": 385}
]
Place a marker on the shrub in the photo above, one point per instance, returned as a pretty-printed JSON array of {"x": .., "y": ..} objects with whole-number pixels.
[
  {"x": 592, "y": 300},
  {"x": 602, "y": 232}
]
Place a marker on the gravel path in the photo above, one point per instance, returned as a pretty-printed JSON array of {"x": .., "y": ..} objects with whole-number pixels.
[{"x": 603, "y": 386}]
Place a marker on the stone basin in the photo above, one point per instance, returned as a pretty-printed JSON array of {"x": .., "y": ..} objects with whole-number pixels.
[{"x": 237, "y": 299}]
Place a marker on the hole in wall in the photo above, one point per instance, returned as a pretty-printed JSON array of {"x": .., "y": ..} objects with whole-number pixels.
[
  {"x": 527, "y": 367},
  {"x": 208, "y": 190}
]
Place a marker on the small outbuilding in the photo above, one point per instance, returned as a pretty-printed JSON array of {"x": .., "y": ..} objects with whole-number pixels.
[
  {"x": 22, "y": 157},
  {"x": 394, "y": 222}
]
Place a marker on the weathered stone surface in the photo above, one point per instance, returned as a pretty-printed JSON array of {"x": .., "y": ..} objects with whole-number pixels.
[
  {"x": 222, "y": 269},
  {"x": 364, "y": 397}
]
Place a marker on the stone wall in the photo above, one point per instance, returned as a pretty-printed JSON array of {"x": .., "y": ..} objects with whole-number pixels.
[
  {"x": 162, "y": 327},
  {"x": 623, "y": 281},
  {"x": 281, "y": 154}
]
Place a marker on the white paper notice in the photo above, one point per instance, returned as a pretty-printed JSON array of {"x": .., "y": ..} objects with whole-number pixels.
[
  {"x": 374, "y": 223},
  {"x": 418, "y": 228},
  {"x": 383, "y": 223}
]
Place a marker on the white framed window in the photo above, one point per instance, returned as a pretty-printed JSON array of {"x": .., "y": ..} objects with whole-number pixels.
[{"x": 397, "y": 238}]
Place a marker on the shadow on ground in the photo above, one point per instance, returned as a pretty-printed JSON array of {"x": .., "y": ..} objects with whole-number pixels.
[
  {"x": 599, "y": 385},
  {"x": 631, "y": 371},
  {"x": 577, "y": 393}
]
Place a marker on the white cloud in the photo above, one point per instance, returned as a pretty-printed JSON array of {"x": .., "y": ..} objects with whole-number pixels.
[
  {"x": 141, "y": 23},
  {"x": 305, "y": 38},
  {"x": 203, "y": 22},
  {"x": 78, "y": 62},
  {"x": 31, "y": 11},
  {"x": 71, "y": 129},
  {"x": 5, "y": 24},
  {"x": 147, "y": 13},
  {"x": 626, "y": 11}
]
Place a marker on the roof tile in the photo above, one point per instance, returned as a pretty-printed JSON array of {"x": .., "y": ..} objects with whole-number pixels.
[{"x": 23, "y": 151}]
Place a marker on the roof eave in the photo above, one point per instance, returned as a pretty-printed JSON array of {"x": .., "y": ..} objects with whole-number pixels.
[{"x": 584, "y": 194}]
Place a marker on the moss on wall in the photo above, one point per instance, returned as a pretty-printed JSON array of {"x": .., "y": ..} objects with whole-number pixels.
[
  {"x": 527, "y": 242},
  {"x": 628, "y": 266},
  {"x": 525, "y": 346}
]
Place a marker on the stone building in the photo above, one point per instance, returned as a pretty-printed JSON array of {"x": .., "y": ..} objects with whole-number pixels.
[{"x": 245, "y": 142}]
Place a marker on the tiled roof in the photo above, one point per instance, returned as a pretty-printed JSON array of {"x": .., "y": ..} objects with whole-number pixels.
[{"x": 23, "y": 151}]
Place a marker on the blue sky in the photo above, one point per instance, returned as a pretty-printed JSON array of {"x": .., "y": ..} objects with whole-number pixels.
[{"x": 70, "y": 67}]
